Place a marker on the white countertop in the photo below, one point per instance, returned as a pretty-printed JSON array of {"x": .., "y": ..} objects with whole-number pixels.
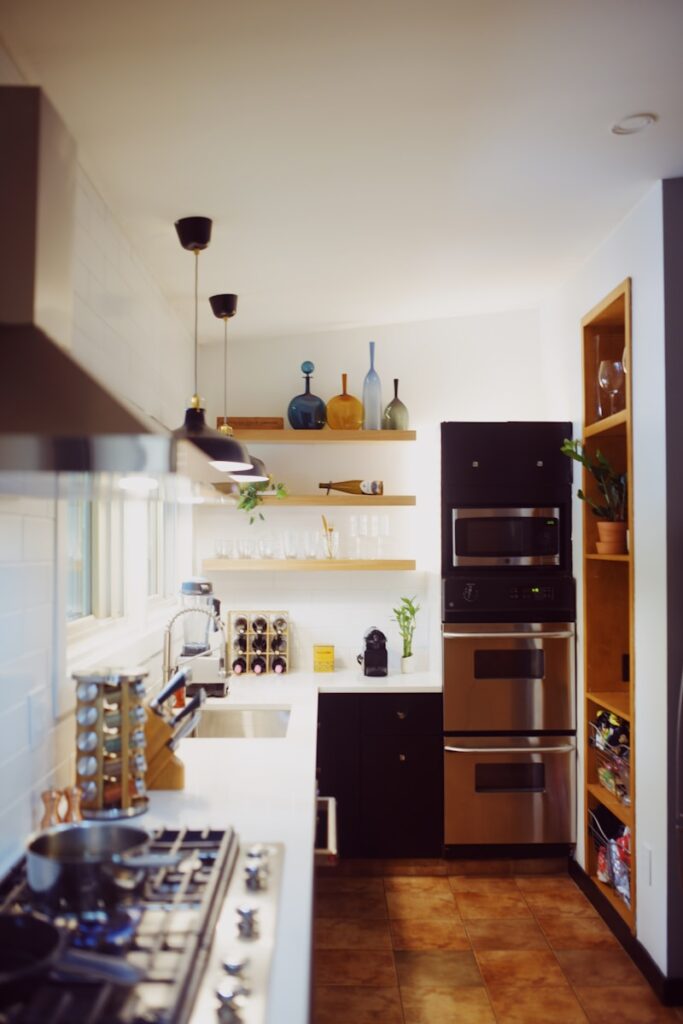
[{"x": 265, "y": 789}]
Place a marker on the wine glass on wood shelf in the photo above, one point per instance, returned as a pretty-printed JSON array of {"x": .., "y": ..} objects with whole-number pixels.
[{"x": 611, "y": 380}]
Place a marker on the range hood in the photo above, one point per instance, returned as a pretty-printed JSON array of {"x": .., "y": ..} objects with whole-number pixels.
[{"x": 55, "y": 417}]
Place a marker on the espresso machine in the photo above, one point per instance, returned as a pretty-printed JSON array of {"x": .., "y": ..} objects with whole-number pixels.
[{"x": 374, "y": 657}]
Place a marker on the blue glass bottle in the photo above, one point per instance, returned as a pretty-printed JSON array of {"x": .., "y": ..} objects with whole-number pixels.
[
  {"x": 372, "y": 396},
  {"x": 306, "y": 411}
]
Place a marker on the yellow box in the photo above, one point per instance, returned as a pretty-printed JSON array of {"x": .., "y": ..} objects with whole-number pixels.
[{"x": 323, "y": 658}]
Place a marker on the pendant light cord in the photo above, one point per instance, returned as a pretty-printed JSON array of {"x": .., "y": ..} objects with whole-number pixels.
[
  {"x": 196, "y": 320},
  {"x": 225, "y": 370}
]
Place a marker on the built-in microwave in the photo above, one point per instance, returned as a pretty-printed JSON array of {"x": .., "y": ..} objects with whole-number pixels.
[{"x": 505, "y": 537}]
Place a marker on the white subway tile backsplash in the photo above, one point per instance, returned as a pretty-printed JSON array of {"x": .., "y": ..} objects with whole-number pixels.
[
  {"x": 11, "y": 527},
  {"x": 38, "y": 539}
]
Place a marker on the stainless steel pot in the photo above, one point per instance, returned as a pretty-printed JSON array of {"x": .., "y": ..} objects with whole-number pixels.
[{"x": 83, "y": 866}]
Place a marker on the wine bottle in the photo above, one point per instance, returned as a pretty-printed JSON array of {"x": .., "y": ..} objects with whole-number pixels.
[
  {"x": 278, "y": 644},
  {"x": 241, "y": 624},
  {"x": 259, "y": 644},
  {"x": 355, "y": 486},
  {"x": 240, "y": 644},
  {"x": 239, "y": 666},
  {"x": 280, "y": 625},
  {"x": 259, "y": 625},
  {"x": 258, "y": 665},
  {"x": 279, "y": 665}
]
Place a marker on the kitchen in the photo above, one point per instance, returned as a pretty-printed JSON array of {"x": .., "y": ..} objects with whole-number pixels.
[{"x": 512, "y": 359}]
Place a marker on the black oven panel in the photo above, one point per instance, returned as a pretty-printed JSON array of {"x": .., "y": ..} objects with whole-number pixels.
[{"x": 488, "y": 597}]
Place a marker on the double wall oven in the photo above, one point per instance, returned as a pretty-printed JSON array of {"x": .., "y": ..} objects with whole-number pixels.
[{"x": 508, "y": 635}]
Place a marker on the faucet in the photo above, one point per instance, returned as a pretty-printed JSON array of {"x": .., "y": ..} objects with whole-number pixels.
[{"x": 167, "y": 671}]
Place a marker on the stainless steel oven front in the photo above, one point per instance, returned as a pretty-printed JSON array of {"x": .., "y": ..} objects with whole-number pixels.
[
  {"x": 509, "y": 677},
  {"x": 505, "y": 537},
  {"x": 509, "y": 789}
]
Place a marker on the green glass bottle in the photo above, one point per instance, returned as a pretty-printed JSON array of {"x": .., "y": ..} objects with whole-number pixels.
[{"x": 395, "y": 415}]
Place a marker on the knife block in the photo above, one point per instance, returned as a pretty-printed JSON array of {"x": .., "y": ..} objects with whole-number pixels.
[{"x": 164, "y": 769}]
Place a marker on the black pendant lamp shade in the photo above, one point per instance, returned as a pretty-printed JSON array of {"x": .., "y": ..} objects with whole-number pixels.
[
  {"x": 223, "y": 306},
  {"x": 225, "y": 453}
]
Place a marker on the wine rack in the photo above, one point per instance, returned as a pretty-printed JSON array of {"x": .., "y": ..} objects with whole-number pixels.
[{"x": 259, "y": 638}]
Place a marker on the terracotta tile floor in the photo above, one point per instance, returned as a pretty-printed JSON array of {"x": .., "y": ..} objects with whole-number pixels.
[{"x": 407, "y": 946}]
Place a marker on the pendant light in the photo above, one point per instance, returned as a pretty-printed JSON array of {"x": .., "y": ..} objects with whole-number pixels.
[
  {"x": 224, "y": 307},
  {"x": 225, "y": 453}
]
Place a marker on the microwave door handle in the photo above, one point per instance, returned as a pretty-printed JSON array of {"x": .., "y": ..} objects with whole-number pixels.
[
  {"x": 509, "y": 636},
  {"x": 566, "y": 749}
]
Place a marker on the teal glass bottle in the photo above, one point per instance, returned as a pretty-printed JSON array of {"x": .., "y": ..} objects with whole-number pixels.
[
  {"x": 395, "y": 415},
  {"x": 372, "y": 396},
  {"x": 307, "y": 411}
]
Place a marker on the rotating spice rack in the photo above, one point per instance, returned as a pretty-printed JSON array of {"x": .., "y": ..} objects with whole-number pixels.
[{"x": 110, "y": 743}]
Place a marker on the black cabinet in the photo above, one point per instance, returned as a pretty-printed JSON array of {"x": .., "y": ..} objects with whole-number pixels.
[{"x": 380, "y": 755}]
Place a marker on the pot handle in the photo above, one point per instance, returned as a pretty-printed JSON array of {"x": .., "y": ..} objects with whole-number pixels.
[
  {"x": 96, "y": 967},
  {"x": 147, "y": 861}
]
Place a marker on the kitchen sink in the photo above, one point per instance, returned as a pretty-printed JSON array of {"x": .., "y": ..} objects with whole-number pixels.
[{"x": 243, "y": 723}]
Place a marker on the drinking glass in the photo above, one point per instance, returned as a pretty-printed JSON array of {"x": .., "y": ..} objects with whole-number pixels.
[
  {"x": 611, "y": 380},
  {"x": 290, "y": 543},
  {"x": 310, "y": 544},
  {"x": 355, "y": 544}
]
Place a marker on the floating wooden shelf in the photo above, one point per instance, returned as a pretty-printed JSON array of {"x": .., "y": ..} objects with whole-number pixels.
[
  {"x": 325, "y": 436},
  {"x": 331, "y": 500},
  {"x": 609, "y": 893},
  {"x": 616, "y": 701},
  {"x": 609, "y": 558},
  {"x": 616, "y": 423},
  {"x": 306, "y": 565},
  {"x": 619, "y": 810}
]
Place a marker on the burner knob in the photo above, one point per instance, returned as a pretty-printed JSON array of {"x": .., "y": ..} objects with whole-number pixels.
[
  {"x": 246, "y": 924},
  {"x": 235, "y": 968},
  {"x": 470, "y": 592},
  {"x": 257, "y": 852},
  {"x": 256, "y": 876}
]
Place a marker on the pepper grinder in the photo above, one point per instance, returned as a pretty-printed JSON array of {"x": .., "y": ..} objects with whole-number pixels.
[
  {"x": 73, "y": 796},
  {"x": 51, "y": 799}
]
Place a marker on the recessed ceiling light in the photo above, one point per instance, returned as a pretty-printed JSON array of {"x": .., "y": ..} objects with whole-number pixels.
[{"x": 633, "y": 123}]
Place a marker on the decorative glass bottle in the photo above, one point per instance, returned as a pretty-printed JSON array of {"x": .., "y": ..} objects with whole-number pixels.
[
  {"x": 372, "y": 396},
  {"x": 395, "y": 415},
  {"x": 307, "y": 411},
  {"x": 344, "y": 412}
]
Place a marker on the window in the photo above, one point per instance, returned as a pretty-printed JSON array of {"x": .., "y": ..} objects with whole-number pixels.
[
  {"x": 79, "y": 559},
  {"x": 161, "y": 543}
]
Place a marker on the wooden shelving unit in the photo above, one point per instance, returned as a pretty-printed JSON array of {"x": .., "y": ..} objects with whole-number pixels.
[
  {"x": 608, "y": 579},
  {"x": 307, "y": 565},
  {"x": 332, "y": 500},
  {"x": 325, "y": 436}
]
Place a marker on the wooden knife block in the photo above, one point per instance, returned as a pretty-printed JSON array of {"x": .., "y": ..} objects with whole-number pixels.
[{"x": 164, "y": 769}]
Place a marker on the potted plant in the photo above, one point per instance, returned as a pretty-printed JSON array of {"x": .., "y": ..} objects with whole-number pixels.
[
  {"x": 612, "y": 486},
  {"x": 252, "y": 495},
  {"x": 406, "y": 614}
]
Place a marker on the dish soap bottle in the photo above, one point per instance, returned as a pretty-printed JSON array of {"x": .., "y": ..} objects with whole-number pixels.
[{"x": 372, "y": 396}]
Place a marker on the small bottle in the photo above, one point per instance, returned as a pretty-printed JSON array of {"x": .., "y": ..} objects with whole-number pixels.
[
  {"x": 259, "y": 644},
  {"x": 355, "y": 486},
  {"x": 240, "y": 624},
  {"x": 278, "y": 644},
  {"x": 278, "y": 665},
  {"x": 239, "y": 666},
  {"x": 280, "y": 625},
  {"x": 240, "y": 643},
  {"x": 259, "y": 625},
  {"x": 258, "y": 665}
]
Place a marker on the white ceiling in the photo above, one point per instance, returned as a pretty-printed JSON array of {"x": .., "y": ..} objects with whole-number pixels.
[{"x": 364, "y": 162}]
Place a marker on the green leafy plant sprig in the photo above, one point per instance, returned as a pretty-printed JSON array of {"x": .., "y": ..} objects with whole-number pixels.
[
  {"x": 611, "y": 485},
  {"x": 406, "y": 614},
  {"x": 252, "y": 495}
]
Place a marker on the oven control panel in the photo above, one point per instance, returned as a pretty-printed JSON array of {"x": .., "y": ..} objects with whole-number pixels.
[{"x": 508, "y": 599}]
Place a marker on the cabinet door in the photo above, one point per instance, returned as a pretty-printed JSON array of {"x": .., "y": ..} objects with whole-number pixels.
[
  {"x": 338, "y": 767},
  {"x": 401, "y": 802},
  {"x": 401, "y": 714}
]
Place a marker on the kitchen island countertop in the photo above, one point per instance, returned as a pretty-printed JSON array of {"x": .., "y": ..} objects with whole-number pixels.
[{"x": 266, "y": 789}]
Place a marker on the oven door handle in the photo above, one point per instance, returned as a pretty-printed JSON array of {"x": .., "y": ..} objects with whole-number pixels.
[
  {"x": 567, "y": 749},
  {"x": 509, "y": 636}
]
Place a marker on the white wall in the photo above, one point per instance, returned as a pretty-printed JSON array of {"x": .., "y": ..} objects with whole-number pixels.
[
  {"x": 128, "y": 336},
  {"x": 483, "y": 367},
  {"x": 634, "y": 249}
]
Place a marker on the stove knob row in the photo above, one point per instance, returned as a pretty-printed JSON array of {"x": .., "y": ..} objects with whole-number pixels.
[{"x": 247, "y": 923}]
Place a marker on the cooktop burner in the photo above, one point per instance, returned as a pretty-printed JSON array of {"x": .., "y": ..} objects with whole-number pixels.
[{"x": 166, "y": 931}]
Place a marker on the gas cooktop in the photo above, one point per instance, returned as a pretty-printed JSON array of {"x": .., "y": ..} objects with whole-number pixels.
[{"x": 166, "y": 931}]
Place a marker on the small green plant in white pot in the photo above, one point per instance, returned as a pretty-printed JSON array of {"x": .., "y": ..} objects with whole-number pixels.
[{"x": 406, "y": 614}]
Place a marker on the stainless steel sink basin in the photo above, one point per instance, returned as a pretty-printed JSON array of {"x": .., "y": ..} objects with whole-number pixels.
[{"x": 243, "y": 723}]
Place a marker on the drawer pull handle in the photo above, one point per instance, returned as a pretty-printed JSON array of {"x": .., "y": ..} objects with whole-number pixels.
[
  {"x": 568, "y": 749},
  {"x": 401, "y": 715},
  {"x": 402, "y": 758}
]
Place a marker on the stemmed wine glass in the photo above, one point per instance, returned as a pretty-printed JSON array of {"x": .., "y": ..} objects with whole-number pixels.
[{"x": 611, "y": 380}]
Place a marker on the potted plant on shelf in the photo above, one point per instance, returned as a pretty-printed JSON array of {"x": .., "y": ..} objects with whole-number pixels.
[
  {"x": 406, "y": 613},
  {"x": 252, "y": 495},
  {"x": 611, "y": 511}
]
